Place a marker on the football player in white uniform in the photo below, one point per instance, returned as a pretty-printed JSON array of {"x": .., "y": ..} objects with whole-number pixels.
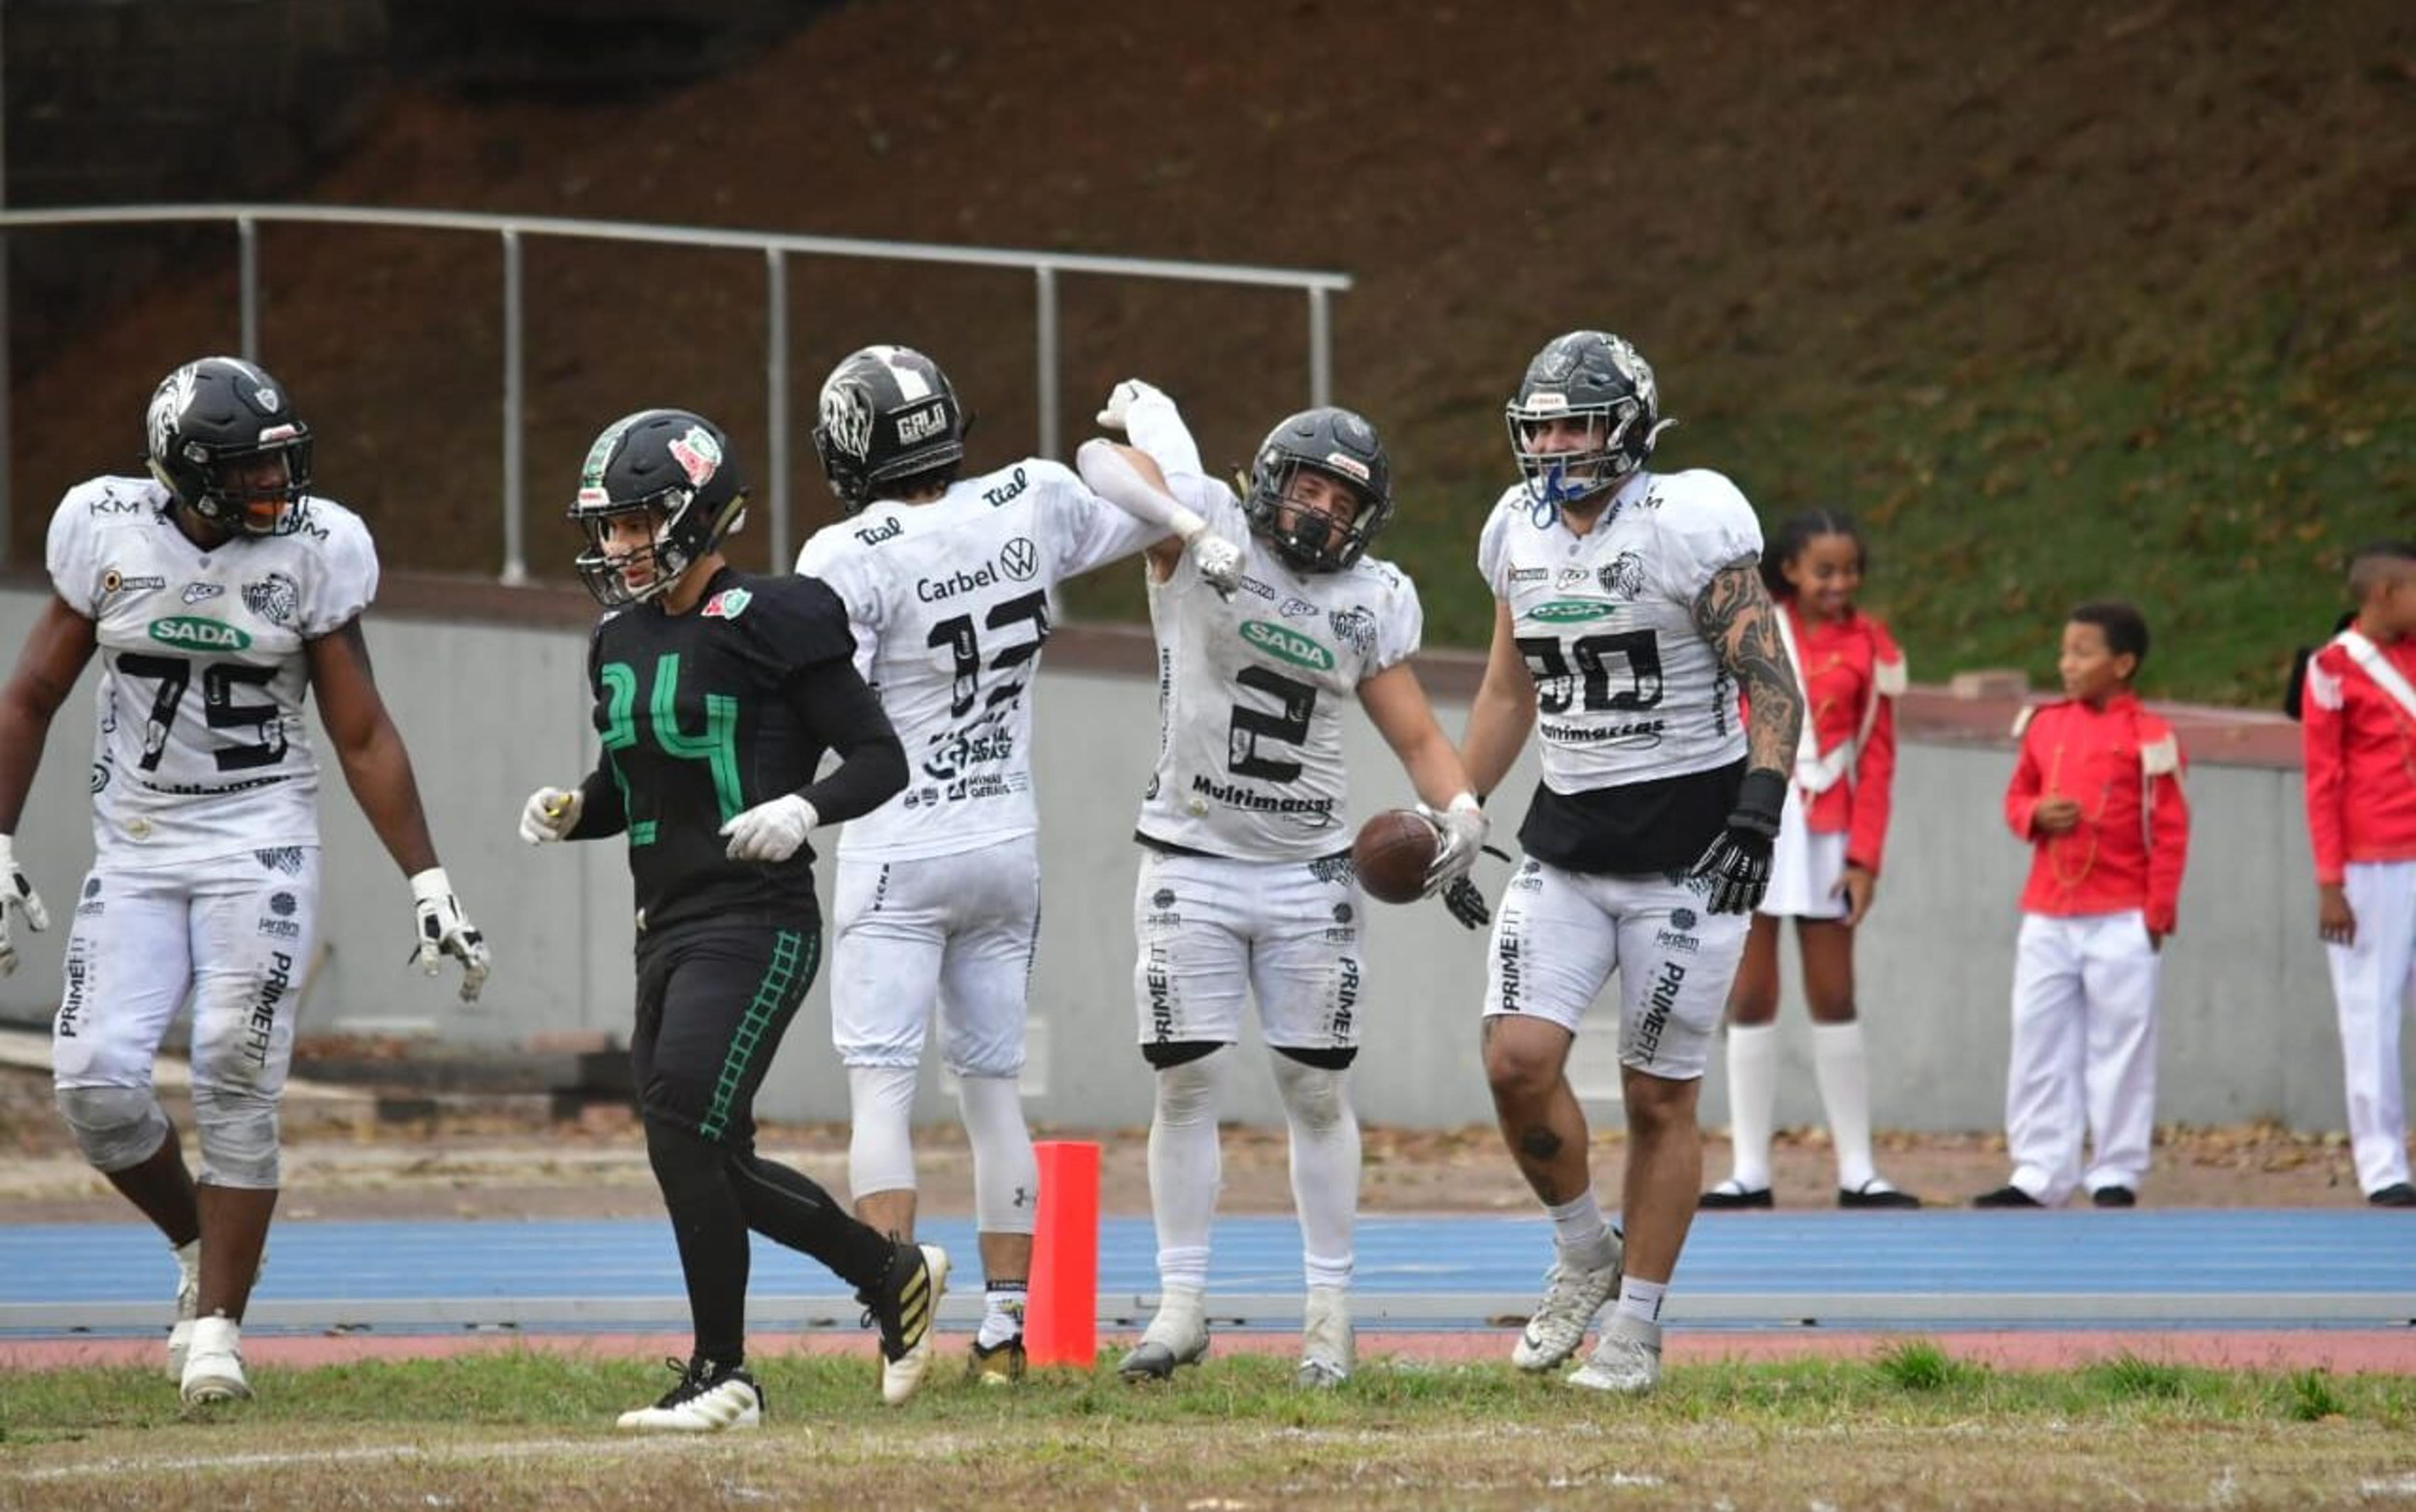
[
  {"x": 217, "y": 591},
  {"x": 1629, "y": 614},
  {"x": 1266, "y": 624},
  {"x": 946, "y": 582}
]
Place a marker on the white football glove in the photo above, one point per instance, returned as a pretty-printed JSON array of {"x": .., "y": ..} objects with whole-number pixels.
[
  {"x": 771, "y": 831},
  {"x": 550, "y": 814},
  {"x": 446, "y": 930},
  {"x": 16, "y": 895},
  {"x": 1121, "y": 400},
  {"x": 1461, "y": 831},
  {"x": 1219, "y": 561}
]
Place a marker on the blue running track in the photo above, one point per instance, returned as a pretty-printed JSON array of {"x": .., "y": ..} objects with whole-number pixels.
[{"x": 1942, "y": 1269}]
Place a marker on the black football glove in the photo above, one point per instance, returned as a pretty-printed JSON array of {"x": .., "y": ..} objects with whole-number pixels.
[
  {"x": 1466, "y": 901},
  {"x": 1735, "y": 870}
]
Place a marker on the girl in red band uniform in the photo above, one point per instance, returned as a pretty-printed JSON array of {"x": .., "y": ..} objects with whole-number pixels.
[
  {"x": 2360, "y": 742},
  {"x": 1825, "y": 866},
  {"x": 2097, "y": 792}
]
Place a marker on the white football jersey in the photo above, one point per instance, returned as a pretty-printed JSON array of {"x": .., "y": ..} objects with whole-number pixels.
[
  {"x": 949, "y": 602},
  {"x": 1626, "y": 690},
  {"x": 202, "y": 749},
  {"x": 1250, "y": 691}
]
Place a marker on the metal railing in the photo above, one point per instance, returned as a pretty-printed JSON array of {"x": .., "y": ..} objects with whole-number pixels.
[{"x": 776, "y": 247}]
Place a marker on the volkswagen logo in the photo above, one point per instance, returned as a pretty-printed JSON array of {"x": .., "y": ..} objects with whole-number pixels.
[{"x": 1020, "y": 559}]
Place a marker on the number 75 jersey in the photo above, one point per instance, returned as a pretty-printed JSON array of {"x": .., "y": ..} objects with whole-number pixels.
[
  {"x": 1626, "y": 689},
  {"x": 201, "y": 748},
  {"x": 1250, "y": 691}
]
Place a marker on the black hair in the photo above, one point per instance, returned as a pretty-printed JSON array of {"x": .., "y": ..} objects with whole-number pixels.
[
  {"x": 2125, "y": 628},
  {"x": 1800, "y": 531}
]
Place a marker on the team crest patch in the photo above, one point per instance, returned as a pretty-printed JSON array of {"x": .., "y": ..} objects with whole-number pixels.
[
  {"x": 698, "y": 454},
  {"x": 1355, "y": 628},
  {"x": 847, "y": 418},
  {"x": 286, "y": 859},
  {"x": 1624, "y": 577},
  {"x": 728, "y": 604},
  {"x": 276, "y": 599}
]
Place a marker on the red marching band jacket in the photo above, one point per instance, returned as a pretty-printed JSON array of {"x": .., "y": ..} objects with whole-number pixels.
[
  {"x": 2123, "y": 767},
  {"x": 1852, "y": 675},
  {"x": 2359, "y": 743}
]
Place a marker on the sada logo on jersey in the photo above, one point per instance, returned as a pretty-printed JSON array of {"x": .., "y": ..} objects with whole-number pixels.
[
  {"x": 1286, "y": 646},
  {"x": 195, "y": 633},
  {"x": 1569, "y": 610}
]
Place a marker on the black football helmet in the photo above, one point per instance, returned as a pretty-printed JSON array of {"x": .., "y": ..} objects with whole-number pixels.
[
  {"x": 210, "y": 424},
  {"x": 678, "y": 467},
  {"x": 1342, "y": 446},
  {"x": 1595, "y": 375},
  {"x": 887, "y": 414}
]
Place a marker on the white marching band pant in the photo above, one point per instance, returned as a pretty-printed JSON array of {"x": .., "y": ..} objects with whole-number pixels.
[
  {"x": 2084, "y": 1053},
  {"x": 2374, "y": 986}
]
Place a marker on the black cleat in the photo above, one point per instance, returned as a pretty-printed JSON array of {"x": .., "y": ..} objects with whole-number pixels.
[
  {"x": 2398, "y": 1194},
  {"x": 903, "y": 1304},
  {"x": 2114, "y": 1197}
]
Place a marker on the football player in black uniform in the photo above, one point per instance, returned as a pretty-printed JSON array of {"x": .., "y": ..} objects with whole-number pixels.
[{"x": 716, "y": 694}]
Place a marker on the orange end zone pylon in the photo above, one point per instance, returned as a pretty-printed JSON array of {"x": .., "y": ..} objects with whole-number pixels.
[{"x": 1061, "y": 1322}]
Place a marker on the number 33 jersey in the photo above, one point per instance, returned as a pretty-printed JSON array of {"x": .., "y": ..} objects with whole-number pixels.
[
  {"x": 1626, "y": 689},
  {"x": 948, "y": 603},
  {"x": 202, "y": 749},
  {"x": 1249, "y": 692}
]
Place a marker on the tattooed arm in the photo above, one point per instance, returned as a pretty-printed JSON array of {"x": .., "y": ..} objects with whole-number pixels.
[{"x": 1735, "y": 614}]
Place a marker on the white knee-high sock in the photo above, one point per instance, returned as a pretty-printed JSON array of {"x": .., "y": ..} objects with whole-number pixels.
[
  {"x": 1753, "y": 1091},
  {"x": 1324, "y": 1166},
  {"x": 1843, "y": 1071},
  {"x": 1186, "y": 1168}
]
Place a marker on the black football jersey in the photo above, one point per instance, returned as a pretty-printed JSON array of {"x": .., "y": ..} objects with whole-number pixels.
[{"x": 709, "y": 712}]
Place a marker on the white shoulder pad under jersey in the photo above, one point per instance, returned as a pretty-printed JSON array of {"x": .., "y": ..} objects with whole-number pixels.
[
  {"x": 201, "y": 748},
  {"x": 949, "y": 604},
  {"x": 1250, "y": 691},
  {"x": 1626, "y": 690}
]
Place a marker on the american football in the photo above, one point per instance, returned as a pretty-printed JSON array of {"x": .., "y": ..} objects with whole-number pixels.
[{"x": 1392, "y": 854}]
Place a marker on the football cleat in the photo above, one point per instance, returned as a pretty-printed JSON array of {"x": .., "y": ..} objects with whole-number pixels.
[
  {"x": 188, "y": 1299},
  {"x": 996, "y": 1365},
  {"x": 214, "y": 1363},
  {"x": 1328, "y": 1347},
  {"x": 1178, "y": 1336},
  {"x": 1572, "y": 1295},
  {"x": 902, "y": 1303},
  {"x": 709, "y": 1398},
  {"x": 1627, "y": 1357}
]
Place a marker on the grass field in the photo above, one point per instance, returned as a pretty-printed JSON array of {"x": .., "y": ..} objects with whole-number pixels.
[{"x": 1911, "y": 1427}]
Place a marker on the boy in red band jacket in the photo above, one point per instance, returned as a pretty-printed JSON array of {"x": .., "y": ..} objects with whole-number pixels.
[
  {"x": 2359, "y": 735},
  {"x": 2097, "y": 792}
]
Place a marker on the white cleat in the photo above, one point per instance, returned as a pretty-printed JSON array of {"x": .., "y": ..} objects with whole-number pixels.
[
  {"x": 1626, "y": 1359},
  {"x": 709, "y": 1398},
  {"x": 1329, "y": 1349},
  {"x": 188, "y": 1299},
  {"x": 903, "y": 1304},
  {"x": 1572, "y": 1295},
  {"x": 1178, "y": 1336},
  {"x": 214, "y": 1363}
]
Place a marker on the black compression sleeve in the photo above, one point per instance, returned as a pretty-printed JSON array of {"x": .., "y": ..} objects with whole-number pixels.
[{"x": 833, "y": 702}]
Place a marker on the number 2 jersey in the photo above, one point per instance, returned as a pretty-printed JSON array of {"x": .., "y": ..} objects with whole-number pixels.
[
  {"x": 949, "y": 605},
  {"x": 202, "y": 749},
  {"x": 1250, "y": 690},
  {"x": 1642, "y": 743}
]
